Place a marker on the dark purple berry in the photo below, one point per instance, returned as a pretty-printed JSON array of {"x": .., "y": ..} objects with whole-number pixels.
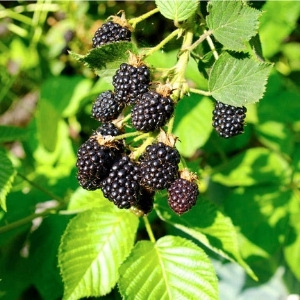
[
  {"x": 106, "y": 107},
  {"x": 110, "y": 32},
  {"x": 182, "y": 195},
  {"x": 151, "y": 111},
  {"x": 228, "y": 120},
  {"x": 159, "y": 166}
]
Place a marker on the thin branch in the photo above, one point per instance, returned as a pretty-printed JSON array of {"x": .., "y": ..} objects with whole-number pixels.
[
  {"x": 149, "y": 229},
  {"x": 143, "y": 17},
  {"x": 200, "y": 92}
]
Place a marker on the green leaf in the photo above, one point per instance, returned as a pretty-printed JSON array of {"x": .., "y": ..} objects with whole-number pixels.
[
  {"x": 256, "y": 166},
  {"x": 172, "y": 268},
  {"x": 92, "y": 249},
  {"x": 7, "y": 175},
  {"x": 177, "y": 10},
  {"x": 292, "y": 247},
  {"x": 233, "y": 23},
  {"x": 192, "y": 123},
  {"x": 275, "y": 26},
  {"x": 12, "y": 133},
  {"x": 276, "y": 136},
  {"x": 82, "y": 199},
  {"x": 106, "y": 58},
  {"x": 238, "y": 81},
  {"x": 209, "y": 226}
]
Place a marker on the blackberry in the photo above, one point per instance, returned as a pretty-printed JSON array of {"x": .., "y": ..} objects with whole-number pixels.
[
  {"x": 228, "y": 120},
  {"x": 145, "y": 201},
  {"x": 151, "y": 111},
  {"x": 121, "y": 185},
  {"x": 110, "y": 32},
  {"x": 130, "y": 82},
  {"x": 159, "y": 166},
  {"x": 182, "y": 195},
  {"x": 94, "y": 160},
  {"x": 106, "y": 107}
]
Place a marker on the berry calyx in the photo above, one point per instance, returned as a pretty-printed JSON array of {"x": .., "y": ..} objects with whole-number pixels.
[{"x": 228, "y": 120}]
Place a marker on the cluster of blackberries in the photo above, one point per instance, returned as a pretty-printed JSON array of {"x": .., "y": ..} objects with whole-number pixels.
[
  {"x": 228, "y": 120},
  {"x": 104, "y": 162}
]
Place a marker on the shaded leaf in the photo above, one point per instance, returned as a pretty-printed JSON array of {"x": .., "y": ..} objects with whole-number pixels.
[
  {"x": 106, "y": 57},
  {"x": 236, "y": 81},
  {"x": 208, "y": 225},
  {"x": 254, "y": 166},
  {"x": 92, "y": 248},
  {"x": 192, "y": 123},
  {"x": 7, "y": 175},
  {"x": 233, "y": 23},
  {"x": 177, "y": 10},
  {"x": 12, "y": 133},
  {"x": 172, "y": 268}
]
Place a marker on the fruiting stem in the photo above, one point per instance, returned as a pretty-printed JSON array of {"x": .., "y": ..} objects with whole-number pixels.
[
  {"x": 137, "y": 153},
  {"x": 29, "y": 218},
  {"x": 141, "y": 137},
  {"x": 126, "y": 135},
  {"x": 170, "y": 124},
  {"x": 125, "y": 119},
  {"x": 143, "y": 17},
  {"x": 212, "y": 46},
  {"x": 162, "y": 43},
  {"x": 204, "y": 36},
  {"x": 200, "y": 92},
  {"x": 149, "y": 229},
  {"x": 180, "y": 68},
  {"x": 41, "y": 188}
]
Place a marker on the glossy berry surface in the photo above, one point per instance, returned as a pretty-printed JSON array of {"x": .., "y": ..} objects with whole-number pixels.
[
  {"x": 228, "y": 120},
  {"x": 110, "y": 32},
  {"x": 151, "y": 112},
  {"x": 159, "y": 166},
  {"x": 106, "y": 107},
  {"x": 130, "y": 82},
  {"x": 121, "y": 185},
  {"x": 182, "y": 195}
]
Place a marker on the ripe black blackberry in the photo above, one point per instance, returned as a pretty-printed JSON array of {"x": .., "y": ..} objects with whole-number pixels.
[
  {"x": 130, "y": 82},
  {"x": 94, "y": 160},
  {"x": 151, "y": 111},
  {"x": 159, "y": 166},
  {"x": 228, "y": 120},
  {"x": 145, "y": 201},
  {"x": 121, "y": 185},
  {"x": 110, "y": 32},
  {"x": 106, "y": 107},
  {"x": 182, "y": 195}
]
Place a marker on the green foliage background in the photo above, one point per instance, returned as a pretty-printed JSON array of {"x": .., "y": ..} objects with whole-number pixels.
[{"x": 249, "y": 208}]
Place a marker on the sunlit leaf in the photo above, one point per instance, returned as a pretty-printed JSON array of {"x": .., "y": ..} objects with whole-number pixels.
[
  {"x": 92, "y": 248},
  {"x": 172, "y": 268}
]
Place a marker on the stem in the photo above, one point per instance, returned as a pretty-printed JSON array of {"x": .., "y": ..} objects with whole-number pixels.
[
  {"x": 200, "y": 92},
  {"x": 140, "y": 137},
  {"x": 29, "y": 218},
  {"x": 126, "y": 135},
  {"x": 170, "y": 124},
  {"x": 137, "y": 153},
  {"x": 41, "y": 188},
  {"x": 162, "y": 43},
  {"x": 212, "y": 46},
  {"x": 204, "y": 36},
  {"x": 125, "y": 119},
  {"x": 143, "y": 17},
  {"x": 149, "y": 229},
  {"x": 180, "y": 68}
]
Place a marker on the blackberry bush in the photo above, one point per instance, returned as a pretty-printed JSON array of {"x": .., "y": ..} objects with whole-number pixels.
[
  {"x": 106, "y": 107},
  {"x": 159, "y": 166},
  {"x": 111, "y": 32},
  {"x": 121, "y": 185},
  {"x": 151, "y": 111},
  {"x": 130, "y": 81},
  {"x": 228, "y": 120}
]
